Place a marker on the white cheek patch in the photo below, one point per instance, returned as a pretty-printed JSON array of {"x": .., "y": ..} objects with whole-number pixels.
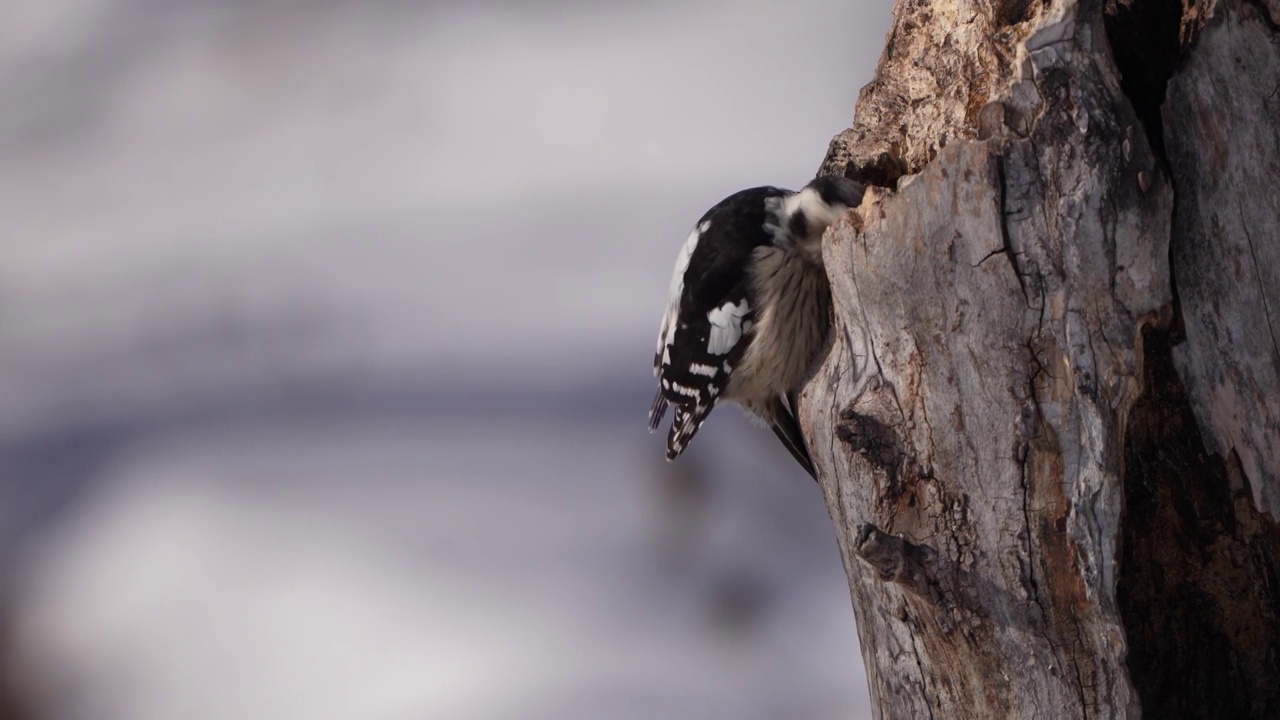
[
  {"x": 726, "y": 327},
  {"x": 796, "y": 201},
  {"x": 815, "y": 209},
  {"x": 809, "y": 201}
]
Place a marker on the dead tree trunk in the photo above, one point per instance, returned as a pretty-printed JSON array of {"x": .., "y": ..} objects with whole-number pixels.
[{"x": 1049, "y": 428}]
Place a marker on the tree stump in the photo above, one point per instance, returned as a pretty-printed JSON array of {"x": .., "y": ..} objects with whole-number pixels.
[{"x": 1048, "y": 429}]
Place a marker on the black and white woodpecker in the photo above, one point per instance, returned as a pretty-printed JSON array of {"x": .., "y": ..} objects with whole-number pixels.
[{"x": 749, "y": 309}]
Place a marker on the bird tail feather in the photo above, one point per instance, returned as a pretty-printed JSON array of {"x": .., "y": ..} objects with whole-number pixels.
[{"x": 784, "y": 425}]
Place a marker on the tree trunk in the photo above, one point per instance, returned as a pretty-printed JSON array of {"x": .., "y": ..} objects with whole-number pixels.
[{"x": 1048, "y": 431}]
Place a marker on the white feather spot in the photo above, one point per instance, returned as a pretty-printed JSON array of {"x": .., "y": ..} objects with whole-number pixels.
[
  {"x": 700, "y": 369},
  {"x": 687, "y": 391},
  {"x": 726, "y": 326}
]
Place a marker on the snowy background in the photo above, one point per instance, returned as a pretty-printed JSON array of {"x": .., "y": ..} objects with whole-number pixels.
[{"x": 326, "y": 331}]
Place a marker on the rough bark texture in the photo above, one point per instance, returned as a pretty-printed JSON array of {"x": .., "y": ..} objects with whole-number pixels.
[
  {"x": 1048, "y": 429},
  {"x": 1223, "y": 131}
]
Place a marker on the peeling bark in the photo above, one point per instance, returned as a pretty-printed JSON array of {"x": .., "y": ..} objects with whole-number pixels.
[{"x": 1047, "y": 429}]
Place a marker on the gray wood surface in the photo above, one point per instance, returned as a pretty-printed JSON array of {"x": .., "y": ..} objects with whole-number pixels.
[{"x": 1040, "y": 518}]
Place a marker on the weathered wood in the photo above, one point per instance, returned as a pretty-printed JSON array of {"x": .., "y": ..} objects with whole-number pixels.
[
  {"x": 1223, "y": 135},
  {"x": 1199, "y": 589},
  {"x": 1013, "y": 466}
]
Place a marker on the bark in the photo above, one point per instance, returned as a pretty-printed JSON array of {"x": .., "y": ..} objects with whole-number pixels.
[{"x": 1048, "y": 428}]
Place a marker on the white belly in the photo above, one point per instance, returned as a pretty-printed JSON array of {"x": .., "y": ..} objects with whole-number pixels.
[{"x": 793, "y": 310}]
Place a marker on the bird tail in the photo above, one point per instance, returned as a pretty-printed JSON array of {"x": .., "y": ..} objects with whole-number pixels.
[
  {"x": 657, "y": 410},
  {"x": 783, "y": 423},
  {"x": 683, "y": 428}
]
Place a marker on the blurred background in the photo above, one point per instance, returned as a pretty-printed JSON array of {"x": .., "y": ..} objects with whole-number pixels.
[{"x": 326, "y": 332}]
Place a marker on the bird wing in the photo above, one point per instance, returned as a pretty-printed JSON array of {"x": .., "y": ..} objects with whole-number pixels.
[
  {"x": 702, "y": 338},
  {"x": 709, "y": 319}
]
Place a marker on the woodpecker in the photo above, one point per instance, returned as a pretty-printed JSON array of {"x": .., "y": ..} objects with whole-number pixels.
[{"x": 748, "y": 310}]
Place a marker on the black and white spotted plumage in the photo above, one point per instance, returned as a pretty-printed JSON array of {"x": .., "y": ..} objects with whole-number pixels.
[{"x": 748, "y": 309}]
